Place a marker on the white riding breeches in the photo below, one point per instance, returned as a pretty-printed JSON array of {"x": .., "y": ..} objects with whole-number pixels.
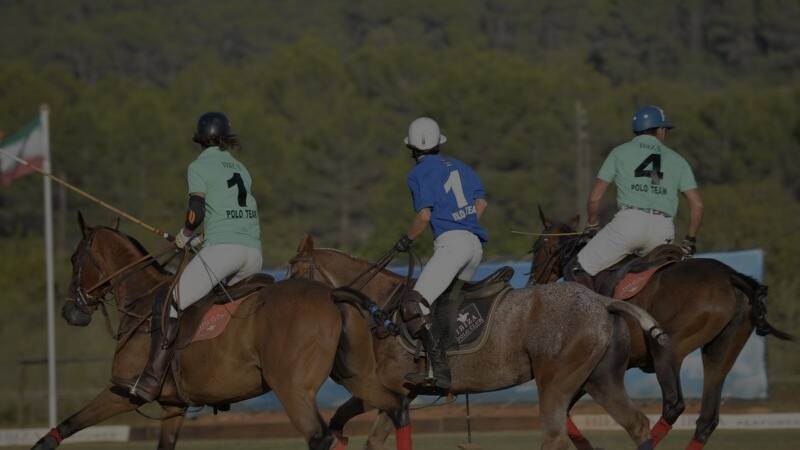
[
  {"x": 214, "y": 264},
  {"x": 456, "y": 253},
  {"x": 630, "y": 232}
]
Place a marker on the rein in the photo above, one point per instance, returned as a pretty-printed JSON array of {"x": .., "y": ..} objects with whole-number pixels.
[
  {"x": 563, "y": 252},
  {"x": 83, "y": 299}
]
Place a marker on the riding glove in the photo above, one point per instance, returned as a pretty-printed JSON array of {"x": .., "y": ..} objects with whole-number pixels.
[
  {"x": 689, "y": 245},
  {"x": 591, "y": 229},
  {"x": 181, "y": 239},
  {"x": 404, "y": 244}
]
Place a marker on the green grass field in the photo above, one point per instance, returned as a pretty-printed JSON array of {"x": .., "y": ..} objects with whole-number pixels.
[{"x": 677, "y": 440}]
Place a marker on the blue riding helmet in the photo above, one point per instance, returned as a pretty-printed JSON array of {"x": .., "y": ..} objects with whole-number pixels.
[{"x": 648, "y": 117}]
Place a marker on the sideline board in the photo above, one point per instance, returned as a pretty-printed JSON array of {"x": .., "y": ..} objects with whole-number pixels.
[{"x": 747, "y": 379}]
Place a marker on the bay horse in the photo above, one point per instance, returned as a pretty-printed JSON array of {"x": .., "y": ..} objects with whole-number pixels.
[
  {"x": 700, "y": 302},
  {"x": 562, "y": 335},
  {"x": 283, "y": 338}
]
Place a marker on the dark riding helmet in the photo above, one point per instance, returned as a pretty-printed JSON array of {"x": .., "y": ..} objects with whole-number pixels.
[{"x": 212, "y": 127}]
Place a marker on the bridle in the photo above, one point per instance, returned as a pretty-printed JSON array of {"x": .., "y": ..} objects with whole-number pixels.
[
  {"x": 103, "y": 291},
  {"x": 314, "y": 268},
  {"x": 555, "y": 254}
]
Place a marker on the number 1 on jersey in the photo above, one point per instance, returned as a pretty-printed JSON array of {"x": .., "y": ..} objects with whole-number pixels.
[
  {"x": 453, "y": 184},
  {"x": 236, "y": 180}
]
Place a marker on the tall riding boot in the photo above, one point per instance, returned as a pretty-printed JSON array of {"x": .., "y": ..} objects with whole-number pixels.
[
  {"x": 148, "y": 386},
  {"x": 437, "y": 358}
]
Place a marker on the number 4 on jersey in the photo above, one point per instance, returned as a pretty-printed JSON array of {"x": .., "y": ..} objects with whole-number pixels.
[{"x": 655, "y": 174}]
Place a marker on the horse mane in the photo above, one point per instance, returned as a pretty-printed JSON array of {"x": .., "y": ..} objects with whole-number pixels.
[
  {"x": 139, "y": 248},
  {"x": 365, "y": 263}
]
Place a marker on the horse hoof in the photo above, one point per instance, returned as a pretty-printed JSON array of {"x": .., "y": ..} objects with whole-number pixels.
[{"x": 45, "y": 443}]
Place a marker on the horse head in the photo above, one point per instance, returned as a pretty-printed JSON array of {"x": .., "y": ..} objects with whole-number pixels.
[
  {"x": 338, "y": 269},
  {"x": 548, "y": 258},
  {"x": 100, "y": 253}
]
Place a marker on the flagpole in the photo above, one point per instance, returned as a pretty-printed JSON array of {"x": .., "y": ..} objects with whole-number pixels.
[{"x": 44, "y": 114}]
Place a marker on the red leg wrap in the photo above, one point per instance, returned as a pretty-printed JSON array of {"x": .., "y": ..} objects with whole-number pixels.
[
  {"x": 404, "y": 438},
  {"x": 695, "y": 445},
  {"x": 575, "y": 435},
  {"x": 55, "y": 434},
  {"x": 660, "y": 431},
  {"x": 339, "y": 445}
]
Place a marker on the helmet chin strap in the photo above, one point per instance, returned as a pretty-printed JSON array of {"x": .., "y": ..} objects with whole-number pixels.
[{"x": 418, "y": 154}]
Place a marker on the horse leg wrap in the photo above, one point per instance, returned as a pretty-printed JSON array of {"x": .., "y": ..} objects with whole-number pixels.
[
  {"x": 403, "y": 435},
  {"x": 577, "y": 438},
  {"x": 695, "y": 445},
  {"x": 660, "y": 431},
  {"x": 339, "y": 445},
  {"x": 55, "y": 434}
]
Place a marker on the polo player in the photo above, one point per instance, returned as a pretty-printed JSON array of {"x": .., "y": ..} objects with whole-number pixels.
[
  {"x": 448, "y": 196},
  {"x": 648, "y": 176},
  {"x": 220, "y": 197}
]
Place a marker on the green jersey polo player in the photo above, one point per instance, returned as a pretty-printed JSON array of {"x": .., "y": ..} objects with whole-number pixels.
[
  {"x": 220, "y": 198},
  {"x": 648, "y": 176}
]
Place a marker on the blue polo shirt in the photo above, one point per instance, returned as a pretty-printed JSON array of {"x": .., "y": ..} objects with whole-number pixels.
[{"x": 449, "y": 188}]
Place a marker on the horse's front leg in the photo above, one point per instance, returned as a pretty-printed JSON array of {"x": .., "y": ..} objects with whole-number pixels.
[
  {"x": 171, "y": 426},
  {"x": 107, "y": 404}
]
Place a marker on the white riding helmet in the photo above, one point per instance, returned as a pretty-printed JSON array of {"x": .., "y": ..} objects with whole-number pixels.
[{"x": 424, "y": 134}]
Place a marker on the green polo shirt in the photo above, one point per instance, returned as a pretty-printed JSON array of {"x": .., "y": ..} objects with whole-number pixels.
[
  {"x": 648, "y": 174},
  {"x": 231, "y": 211}
]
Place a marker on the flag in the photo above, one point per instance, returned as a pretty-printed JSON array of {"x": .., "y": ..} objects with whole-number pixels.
[{"x": 29, "y": 144}]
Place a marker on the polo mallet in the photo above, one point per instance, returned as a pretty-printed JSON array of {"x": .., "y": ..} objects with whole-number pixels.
[
  {"x": 91, "y": 197},
  {"x": 469, "y": 445}
]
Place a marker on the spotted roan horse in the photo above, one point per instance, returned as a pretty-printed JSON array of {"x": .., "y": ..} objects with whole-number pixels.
[
  {"x": 701, "y": 303},
  {"x": 283, "y": 338},
  {"x": 563, "y": 335}
]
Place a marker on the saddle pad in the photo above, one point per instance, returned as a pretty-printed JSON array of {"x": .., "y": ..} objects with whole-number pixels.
[
  {"x": 632, "y": 283},
  {"x": 473, "y": 322},
  {"x": 216, "y": 320}
]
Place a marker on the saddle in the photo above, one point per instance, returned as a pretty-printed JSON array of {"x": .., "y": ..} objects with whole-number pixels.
[
  {"x": 209, "y": 317},
  {"x": 628, "y": 277},
  {"x": 464, "y": 321}
]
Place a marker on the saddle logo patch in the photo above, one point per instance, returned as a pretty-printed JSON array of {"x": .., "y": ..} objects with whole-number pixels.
[{"x": 469, "y": 321}]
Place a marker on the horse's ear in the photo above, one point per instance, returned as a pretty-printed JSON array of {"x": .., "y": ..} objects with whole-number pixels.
[
  {"x": 545, "y": 222},
  {"x": 306, "y": 245},
  {"x": 82, "y": 223},
  {"x": 116, "y": 224},
  {"x": 575, "y": 222}
]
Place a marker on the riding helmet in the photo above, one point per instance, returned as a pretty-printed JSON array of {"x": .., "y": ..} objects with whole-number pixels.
[
  {"x": 649, "y": 117},
  {"x": 212, "y": 124},
  {"x": 424, "y": 134}
]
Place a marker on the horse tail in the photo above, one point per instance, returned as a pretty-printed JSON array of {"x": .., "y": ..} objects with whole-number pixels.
[
  {"x": 757, "y": 295},
  {"x": 643, "y": 318}
]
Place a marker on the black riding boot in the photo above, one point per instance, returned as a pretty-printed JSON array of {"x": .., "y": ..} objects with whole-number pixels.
[
  {"x": 437, "y": 358},
  {"x": 148, "y": 386}
]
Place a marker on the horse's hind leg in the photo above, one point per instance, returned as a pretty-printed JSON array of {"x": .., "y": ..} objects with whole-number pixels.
[
  {"x": 301, "y": 407},
  {"x": 606, "y": 386},
  {"x": 349, "y": 409},
  {"x": 578, "y": 439},
  {"x": 171, "y": 426},
  {"x": 107, "y": 404},
  {"x": 558, "y": 382},
  {"x": 611, "y": 395},
  {"x": 718, "y": 358},
  {"x": 667, "y": 368}
]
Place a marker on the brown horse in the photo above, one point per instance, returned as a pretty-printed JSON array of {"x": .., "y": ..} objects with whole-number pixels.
[
  {"x": 282, "y": 338},
  {"x": 701, "y": 303},
  {"x": 561, "y": 333}
]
